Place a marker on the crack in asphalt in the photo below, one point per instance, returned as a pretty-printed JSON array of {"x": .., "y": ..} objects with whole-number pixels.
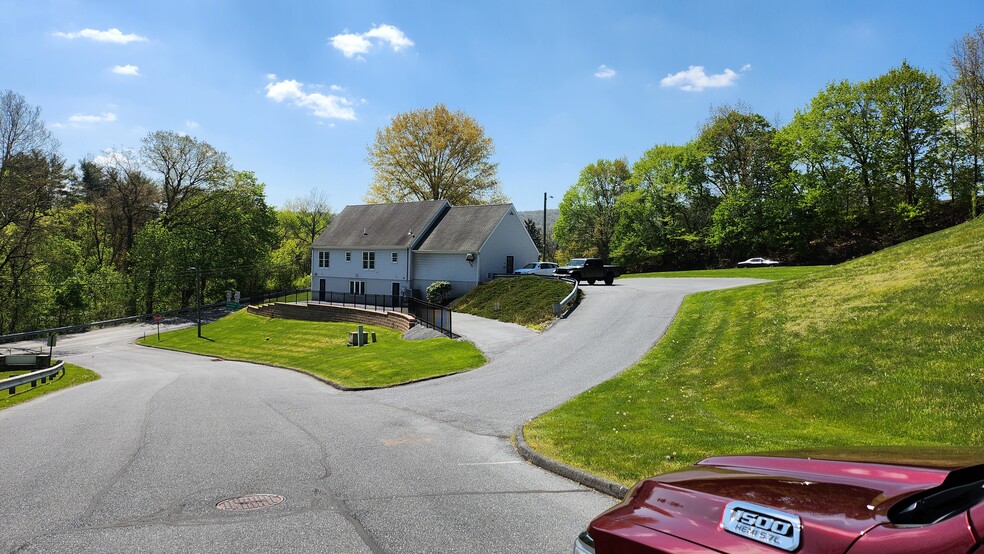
[
  {"x": 103, "y": 492},
  {"x": 340, "y": 504}
]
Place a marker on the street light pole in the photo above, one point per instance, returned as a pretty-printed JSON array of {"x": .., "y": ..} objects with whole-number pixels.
[{"x": 198, "y": 302}]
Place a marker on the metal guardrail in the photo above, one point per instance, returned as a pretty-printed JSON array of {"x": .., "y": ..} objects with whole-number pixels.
[
  {"x": 562, "y": 306},
  {"x": 42, "y": 375},
  {"x": 186, "y": 311}
]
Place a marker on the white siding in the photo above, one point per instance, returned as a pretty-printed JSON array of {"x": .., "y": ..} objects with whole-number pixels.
[
  {"x": 454, "y": 268},
  {"x": 378, "y": 281},
  {"x": 510, "y": 238}
]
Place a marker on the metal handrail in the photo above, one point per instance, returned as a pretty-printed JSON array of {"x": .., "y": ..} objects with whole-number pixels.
[
  {"x": 561, "y": 307},
  {"x": 43, "y": 375}
]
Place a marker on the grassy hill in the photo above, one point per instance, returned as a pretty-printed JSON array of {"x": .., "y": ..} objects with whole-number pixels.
[
  {"x": 526, "y": 300},
  {"x": 885, "y": 349}
]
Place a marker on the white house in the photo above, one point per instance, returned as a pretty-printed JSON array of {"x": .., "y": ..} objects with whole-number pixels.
[{"x": 392, "y": 248}]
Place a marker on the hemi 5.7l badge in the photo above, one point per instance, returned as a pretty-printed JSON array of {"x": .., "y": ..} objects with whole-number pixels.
[{"x": 762, "y": 524}]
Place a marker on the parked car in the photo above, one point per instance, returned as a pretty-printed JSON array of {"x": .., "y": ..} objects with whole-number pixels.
[
  {"x": 856, "y": 501},
  {"x": 590, "y": 270},
  {"x": 758, "y": 262},
  {"x": 536, "y": 268}
]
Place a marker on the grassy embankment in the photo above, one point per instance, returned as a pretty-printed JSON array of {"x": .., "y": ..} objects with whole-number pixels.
[
  {"x": 321, "y": 349},
  {"x": 73, "y": 375},
  {"x": 885, "y": 349},
  {"x": 526, "y": 300}
]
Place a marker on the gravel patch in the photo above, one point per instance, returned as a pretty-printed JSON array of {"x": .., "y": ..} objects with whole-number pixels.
[{"x": 422, "y": 332}]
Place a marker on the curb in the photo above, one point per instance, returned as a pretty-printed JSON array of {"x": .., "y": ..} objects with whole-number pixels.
[
  {"x": 324, "y": 380},
  {"x": 611, "y": 488}
]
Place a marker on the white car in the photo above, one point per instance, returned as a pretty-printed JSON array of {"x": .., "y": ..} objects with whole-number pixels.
[
  {"x": 758, "y": 262},
  {"x": 536, "y": 268}
]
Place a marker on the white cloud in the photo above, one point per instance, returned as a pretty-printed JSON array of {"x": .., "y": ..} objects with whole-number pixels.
[
  {"x": 191, "y": 124},
  {"x": 604, "y": 72},
  {"x": 388, "y": 33},
  {"x": 746, "y": 67},
  {"x": 350, "y": 45},
  {"x": 325, "y": 106},
  {"x": 85, "y": 119},
  {"x": 354, "y": 44},
  {"x": 695, "y": 80},
  {"x": 110, "y": 35},
  {"x": 271, "y": 76},
  {"x": 126, "y": 70}
]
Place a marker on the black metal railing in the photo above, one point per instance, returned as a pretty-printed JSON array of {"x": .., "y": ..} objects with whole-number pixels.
[
  {"x": 434, "y": 316},
  {"x": 381, "y": 302}
]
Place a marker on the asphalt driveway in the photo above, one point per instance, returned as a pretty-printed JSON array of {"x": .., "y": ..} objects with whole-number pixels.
[{"x": 138, "y": 460}]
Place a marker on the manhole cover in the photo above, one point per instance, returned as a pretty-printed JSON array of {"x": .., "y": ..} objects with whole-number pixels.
[{"x": 251, "y": 502}]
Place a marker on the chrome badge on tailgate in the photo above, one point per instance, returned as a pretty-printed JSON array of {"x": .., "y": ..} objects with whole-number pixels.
[{"x": 762, "y": 524}]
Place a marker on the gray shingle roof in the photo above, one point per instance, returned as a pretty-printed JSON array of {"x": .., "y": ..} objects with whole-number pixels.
[
  {"x": 379, "y": 225},
  {"x": 464, "y": 228}
]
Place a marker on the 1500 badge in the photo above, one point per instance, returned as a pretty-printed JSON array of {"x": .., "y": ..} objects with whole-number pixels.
[{"x": 762, "y": 524}]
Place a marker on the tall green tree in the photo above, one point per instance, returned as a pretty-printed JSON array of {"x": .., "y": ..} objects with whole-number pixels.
[
  {"x": 32, "y": 175},
  {"x": 912, "y": 103},
  {"x": 967, "y": 74},
  {"x": 185, "y": 168},
  {"x": 663, "y": 220},
  {"x": 589, "y": 210},
  {"x": 433, "y": 154}
]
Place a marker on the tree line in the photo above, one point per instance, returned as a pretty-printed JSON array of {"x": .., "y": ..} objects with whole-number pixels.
[
  {"x": 863, "y": 166},
  {"x": 139, "y": 230}
]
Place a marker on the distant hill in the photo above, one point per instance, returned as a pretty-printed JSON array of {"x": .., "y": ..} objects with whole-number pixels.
[{"x": 537, "y": 216}]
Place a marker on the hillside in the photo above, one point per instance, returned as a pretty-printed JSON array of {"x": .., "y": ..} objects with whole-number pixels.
[
  {"x": 526, "y": 300},
  {"x": 885, "y": 349}
]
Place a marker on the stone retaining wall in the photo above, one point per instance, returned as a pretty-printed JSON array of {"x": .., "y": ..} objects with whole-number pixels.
[{"x": 343, "y": 314}]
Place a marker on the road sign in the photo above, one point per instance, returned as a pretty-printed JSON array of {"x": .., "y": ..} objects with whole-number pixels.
[{"x": 157, "y": 318}]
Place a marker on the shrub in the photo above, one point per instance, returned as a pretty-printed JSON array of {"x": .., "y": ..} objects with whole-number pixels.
[{"x": 438, "y": 292}]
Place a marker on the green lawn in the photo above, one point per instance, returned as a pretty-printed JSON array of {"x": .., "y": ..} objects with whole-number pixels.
[
  {"x": 772, "y": 273},
  {"x": 320, "y": 349},
  {"x": 885, "y": 349},
  {"x": 526, "y": 300},
  {"x": 73, "y": 375}
]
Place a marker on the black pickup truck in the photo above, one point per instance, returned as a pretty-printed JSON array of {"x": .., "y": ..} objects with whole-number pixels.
[{"x": 590, "y": 270}]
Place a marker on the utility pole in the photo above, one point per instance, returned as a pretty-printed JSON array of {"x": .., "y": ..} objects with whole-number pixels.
[{"x": 544, "y": 258}]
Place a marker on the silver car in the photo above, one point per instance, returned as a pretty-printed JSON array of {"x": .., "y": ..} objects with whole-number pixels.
[{"x": 536, "y": 268}]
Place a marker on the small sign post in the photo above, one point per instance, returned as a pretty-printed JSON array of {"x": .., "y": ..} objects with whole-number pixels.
[{"x": 157, "y": 320}]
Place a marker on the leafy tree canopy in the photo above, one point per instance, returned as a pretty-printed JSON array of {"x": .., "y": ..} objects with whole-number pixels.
[{"x": 433, "y": 154}]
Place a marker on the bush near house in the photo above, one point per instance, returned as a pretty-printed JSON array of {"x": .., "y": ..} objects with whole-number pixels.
[{"x": 437, "y": 292}]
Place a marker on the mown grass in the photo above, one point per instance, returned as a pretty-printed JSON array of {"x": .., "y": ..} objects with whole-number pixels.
[
  {"x": 321, "y": 349},
  {"x": 885, "y": 349},
  {"x": 527, "y": 300},
  {"x": 772, "y": 273},
  {"x": 73, "y": 375}
]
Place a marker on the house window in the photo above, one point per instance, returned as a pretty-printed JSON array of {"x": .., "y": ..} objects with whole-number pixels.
[
  {"x": 323, "y": 259},
  {"x": 368, "y": 260},
  {"x": 357, "y": 287},
  {"x": 395, "y": 257},
  {"x": 348, "y": 256}
]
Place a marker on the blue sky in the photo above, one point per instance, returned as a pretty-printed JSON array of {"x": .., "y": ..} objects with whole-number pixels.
[{"x": 294, "y": 91}]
